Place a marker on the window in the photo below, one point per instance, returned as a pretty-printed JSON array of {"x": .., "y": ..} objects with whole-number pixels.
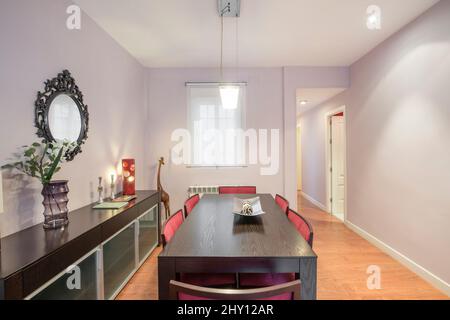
[{"x": 214, "y": 130}]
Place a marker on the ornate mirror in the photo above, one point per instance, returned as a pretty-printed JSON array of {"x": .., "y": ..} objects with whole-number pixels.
[{"x": 60, "y": 113}]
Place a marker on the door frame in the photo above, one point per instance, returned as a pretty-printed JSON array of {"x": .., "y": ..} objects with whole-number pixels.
[
  {"x": 328, "y": 163},
  {"x": 299, "y": 149}
]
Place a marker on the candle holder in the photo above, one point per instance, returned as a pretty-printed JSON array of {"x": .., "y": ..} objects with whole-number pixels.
[{"x": 100, "y": 190}]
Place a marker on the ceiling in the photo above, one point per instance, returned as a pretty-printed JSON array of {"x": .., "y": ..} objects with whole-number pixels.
[
  {"x": 186, "y": 33},
  {"x": 314, "y": 97}
]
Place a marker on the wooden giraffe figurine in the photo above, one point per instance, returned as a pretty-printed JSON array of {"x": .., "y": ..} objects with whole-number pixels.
[{"x": 164, "y": 194}]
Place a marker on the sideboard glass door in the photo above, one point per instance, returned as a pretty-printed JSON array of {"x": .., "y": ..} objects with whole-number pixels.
[
  {"x": 148, "y": 233},
  {"x": 119, "y": 260},
  {"x": 79, "y": 282}
]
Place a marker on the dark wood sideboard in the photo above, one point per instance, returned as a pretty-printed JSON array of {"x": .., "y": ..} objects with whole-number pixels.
[{"x": 34, "y": 259}]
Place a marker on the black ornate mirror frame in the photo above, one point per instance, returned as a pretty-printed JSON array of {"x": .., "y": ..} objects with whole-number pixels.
[{"x": 62, "y": 84}]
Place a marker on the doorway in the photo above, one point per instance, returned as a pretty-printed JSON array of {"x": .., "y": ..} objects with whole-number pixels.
[
  {"x": 336, "y": 163},
  {"x": 299, "y": 158}
]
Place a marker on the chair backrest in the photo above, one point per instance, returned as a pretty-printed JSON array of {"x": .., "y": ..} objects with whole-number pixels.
[
  {"x": 282, "y": 203},
  {"x": 302, "y": 225},
  {"x": 171, "y": 226},
  {"x": 190, "y": 203},
  {"x": 237, "y": 189},
  {"x": 285, "y": 291}
]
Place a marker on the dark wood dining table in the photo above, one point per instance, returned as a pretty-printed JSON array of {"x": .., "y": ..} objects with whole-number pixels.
[{"x": 214, "y": 240}]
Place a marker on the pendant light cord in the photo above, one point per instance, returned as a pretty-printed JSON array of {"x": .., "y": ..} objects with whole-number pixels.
[
  {"x": 237, "y": 49},
  {"x": 221, "y": 49}
]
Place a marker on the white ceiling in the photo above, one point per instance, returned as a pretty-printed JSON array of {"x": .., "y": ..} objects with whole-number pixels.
[
  {"x": 315, "y": 97},
  {"x": 186, "y": 33}
]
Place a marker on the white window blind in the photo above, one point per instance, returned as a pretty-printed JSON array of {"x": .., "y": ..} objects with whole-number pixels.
[{"x": 214, "y": 129}]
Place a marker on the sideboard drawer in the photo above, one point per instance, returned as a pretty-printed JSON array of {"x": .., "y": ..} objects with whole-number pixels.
[{"x": 147, "y": 204}]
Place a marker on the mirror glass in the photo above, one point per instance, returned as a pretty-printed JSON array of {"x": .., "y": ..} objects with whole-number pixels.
[{"x": 64, "y": 119}]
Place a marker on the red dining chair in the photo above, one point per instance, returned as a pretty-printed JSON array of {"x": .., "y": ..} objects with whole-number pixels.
[
  {"x": 190, "y": 203},
  {"x": 237, "y": 190},
  {"x": 286, "y": 291},
  {"x": 302, "y": 225},
  {"x": 171, "y": 226},
  {"x": 282, "y": 203}
]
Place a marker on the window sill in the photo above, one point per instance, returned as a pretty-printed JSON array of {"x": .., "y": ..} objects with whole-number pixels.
[{"x": 193, "y": 166}]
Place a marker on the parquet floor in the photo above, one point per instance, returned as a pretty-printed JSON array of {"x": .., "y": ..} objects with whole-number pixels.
[{"x": 342, "y": 266}]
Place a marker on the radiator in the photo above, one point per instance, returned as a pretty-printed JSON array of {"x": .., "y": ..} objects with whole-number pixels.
[{"x": 201, "y": 190}]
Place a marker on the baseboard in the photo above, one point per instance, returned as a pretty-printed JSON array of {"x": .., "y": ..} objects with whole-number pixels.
[
  {"x": 434, "y": 280},
  {"x": 314, "y": 201}
]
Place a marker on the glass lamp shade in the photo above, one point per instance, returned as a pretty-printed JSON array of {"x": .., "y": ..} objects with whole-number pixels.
[
  {"x": 128, "y": 171},
  {"x": 230, "y": 96}
]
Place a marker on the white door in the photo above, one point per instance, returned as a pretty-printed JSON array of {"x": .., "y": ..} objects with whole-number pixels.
[{"x": 337, "y": 166}]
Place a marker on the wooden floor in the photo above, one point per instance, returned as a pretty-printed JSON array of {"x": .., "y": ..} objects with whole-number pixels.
[{"x": 343, "y": 261}]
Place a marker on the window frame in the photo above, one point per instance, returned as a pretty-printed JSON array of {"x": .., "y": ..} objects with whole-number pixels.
[{"x": 243, "y": 108}]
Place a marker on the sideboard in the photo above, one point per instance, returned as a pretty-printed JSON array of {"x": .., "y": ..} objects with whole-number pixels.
[{"x": 91, "y": 258}]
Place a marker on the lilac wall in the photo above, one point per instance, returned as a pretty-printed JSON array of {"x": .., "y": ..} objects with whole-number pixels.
[
  {"x": 168, "y": 111},
  {"x": 398, "y": 133},
  {"x": 35, "y": 46}
]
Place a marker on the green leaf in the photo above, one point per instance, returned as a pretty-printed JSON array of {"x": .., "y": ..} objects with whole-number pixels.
[
  {"x": 36, "y": 144},
  {"x": 28, "y": 153},
  {"x": 54, "y": 165}
]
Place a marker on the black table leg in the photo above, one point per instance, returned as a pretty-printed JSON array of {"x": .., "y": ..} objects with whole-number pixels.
[
  {"x": 308, "y": 277},
  {"x": 166, "y": 272}
]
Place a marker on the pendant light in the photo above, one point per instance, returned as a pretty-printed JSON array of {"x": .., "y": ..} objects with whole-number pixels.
[{"x": 229, "y": 93}]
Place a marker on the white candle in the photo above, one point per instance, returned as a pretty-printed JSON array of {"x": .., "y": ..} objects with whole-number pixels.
[{"x": 113, "y": 194}]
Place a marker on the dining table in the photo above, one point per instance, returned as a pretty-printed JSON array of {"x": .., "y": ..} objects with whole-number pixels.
[{"x": 213, "y": 239}]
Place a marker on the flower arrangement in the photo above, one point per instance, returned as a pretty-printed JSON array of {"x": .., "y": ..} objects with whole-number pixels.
[{"x": 41, "y": 160}]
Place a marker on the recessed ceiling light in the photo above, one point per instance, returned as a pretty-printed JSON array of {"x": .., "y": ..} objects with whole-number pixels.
[
  {"x": 373, "y": 18},
  {"x": 303, "y": 102}
]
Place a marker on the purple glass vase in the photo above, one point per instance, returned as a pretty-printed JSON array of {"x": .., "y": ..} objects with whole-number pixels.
[{"x": 55, "y": 204}]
